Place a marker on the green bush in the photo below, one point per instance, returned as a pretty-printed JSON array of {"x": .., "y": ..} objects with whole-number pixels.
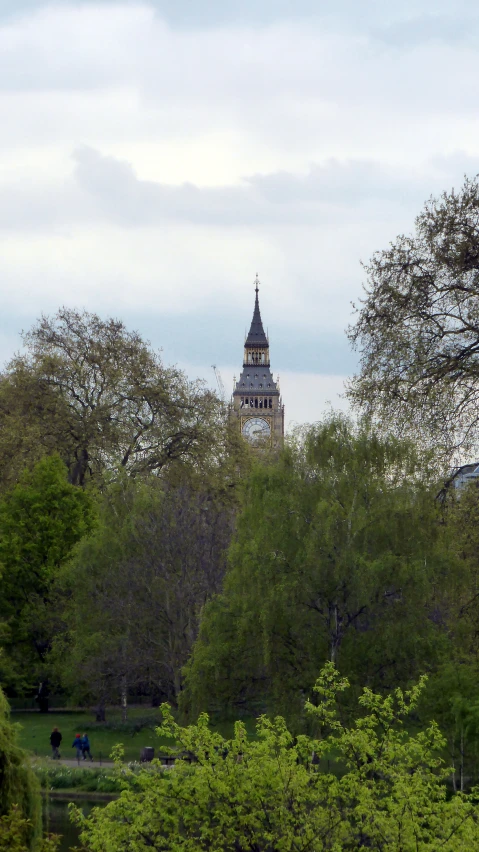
[
  {"x": 132, "y": 727},
  {"x": 87, "y": 780},
  {"x": 273, "y": 793}
]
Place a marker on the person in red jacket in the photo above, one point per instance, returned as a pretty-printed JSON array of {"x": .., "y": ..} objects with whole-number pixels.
[{"x": 77, "y": 744}]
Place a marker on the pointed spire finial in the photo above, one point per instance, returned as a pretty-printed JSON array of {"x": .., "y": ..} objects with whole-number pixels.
[{"x": 256, "y": 282}]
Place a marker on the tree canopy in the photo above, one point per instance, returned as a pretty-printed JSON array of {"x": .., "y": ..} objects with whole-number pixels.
[
  {"x": 101, "y": 397},
  {"x": 338, "y": 555},
  {"x": 135, "y": 588},
  {"x": 417, "y": 328}
]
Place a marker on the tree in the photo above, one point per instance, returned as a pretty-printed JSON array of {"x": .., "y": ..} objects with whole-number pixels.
[
  {"x": 268, "y": 794},
  {"x": 417, "y": 328},
  {"x": 136, "y": 588},
  {"x": 100, "y": 396},
  {"x": 452, "y": 694},
  {"x": 41, "y": 520},
  {"x": 338, "y": 555},
  {"x": 20, "y": 803}
]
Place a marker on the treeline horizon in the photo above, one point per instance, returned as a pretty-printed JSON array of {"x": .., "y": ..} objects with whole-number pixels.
[{"x": 146, "y": 549}]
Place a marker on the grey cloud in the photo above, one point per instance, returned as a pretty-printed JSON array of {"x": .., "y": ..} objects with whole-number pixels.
[
  {"x": 339, "y": 182},
  {"x": 276, "y": 83},
  {"x": 189, "y": 14},
  {"x": 324, "y": 194},
  {"x": 411, "y": 32},
  {"x": 104, "y": 188}
]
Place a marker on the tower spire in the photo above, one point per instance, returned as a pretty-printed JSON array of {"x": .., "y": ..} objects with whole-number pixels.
[
  {"x": 256, "y": 336},
  {"x": 256, "y": 401}
]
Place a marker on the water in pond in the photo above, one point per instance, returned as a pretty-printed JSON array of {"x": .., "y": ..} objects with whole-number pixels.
[{"x": 56, "y": 819}]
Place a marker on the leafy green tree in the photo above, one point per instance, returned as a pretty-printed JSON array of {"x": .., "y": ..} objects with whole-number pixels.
[
  {"x": 417, "y": 328},
  {"x": 269, "y": 794},
  {"x": 338, "y": 555},
  {"x": 136, "y": 587},
  {"x": 452, "y": 699},
  {"x": 20, "y": 804},
  {"x": 99, "y": 395},
  {"x": 41, "y": 520},
  {"x": 452, "y": 695}
]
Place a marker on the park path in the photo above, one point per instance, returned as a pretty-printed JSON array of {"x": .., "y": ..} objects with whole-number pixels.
[{"x": 85, "y": 764}]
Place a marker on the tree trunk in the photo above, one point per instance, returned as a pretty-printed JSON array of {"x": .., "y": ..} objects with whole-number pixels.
[
  {"x": 334, "y": 636},
  {"x": 453, "y": 754},
  {"x": 124, "y": 699},
  {"x": 100, "y": 713},
  {"x": 42, "y": 697}
]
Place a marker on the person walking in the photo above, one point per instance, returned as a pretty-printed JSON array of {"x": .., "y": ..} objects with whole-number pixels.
[
  {"x": 77, "y": 744},
  {"x": 85, "y": 747},
  {"x": 55, "y": 740}
]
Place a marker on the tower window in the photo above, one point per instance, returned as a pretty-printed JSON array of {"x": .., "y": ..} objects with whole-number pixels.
[
  {"x": 268, "y": 385},
  {"x": 256, "y": 402},
  {"x": 261, "y": 402},
  {"x": 271, "y": 403},
  {"x": 256, "y": 375},
  {"x": 251, "y": 385},
  {"x": 261, "y": 386}
]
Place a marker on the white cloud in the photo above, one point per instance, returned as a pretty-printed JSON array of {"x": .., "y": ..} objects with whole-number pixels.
[{"x": 214, "y": 142}]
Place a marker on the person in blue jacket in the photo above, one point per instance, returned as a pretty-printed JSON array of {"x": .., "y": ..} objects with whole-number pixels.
[
  {"x": 77, "y": 744},
  {"x": 85, "y": 747}
]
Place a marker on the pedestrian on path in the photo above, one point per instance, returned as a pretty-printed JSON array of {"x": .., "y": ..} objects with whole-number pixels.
[
  {"x": 77, "y": 744},
  {"x": 85, "y": 747},
  {"x": 55, "y": 740}
]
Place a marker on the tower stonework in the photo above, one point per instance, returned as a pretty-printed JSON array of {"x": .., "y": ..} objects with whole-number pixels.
[{"x": 256, "y": 401}]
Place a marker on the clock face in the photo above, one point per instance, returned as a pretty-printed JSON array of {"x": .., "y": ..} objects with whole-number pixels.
[{"x": 255, "y": 429}]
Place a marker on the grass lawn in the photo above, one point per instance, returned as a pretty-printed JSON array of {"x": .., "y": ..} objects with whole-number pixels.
[{"x": 36, "y": 729}]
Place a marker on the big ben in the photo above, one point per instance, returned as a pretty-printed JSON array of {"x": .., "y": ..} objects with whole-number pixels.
[{"x": 257, "y": 400}]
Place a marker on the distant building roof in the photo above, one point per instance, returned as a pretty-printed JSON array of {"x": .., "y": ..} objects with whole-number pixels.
[{"x": 464, "y": 474}]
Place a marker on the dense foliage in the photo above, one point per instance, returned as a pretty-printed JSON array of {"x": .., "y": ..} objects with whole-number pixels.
[
  {"x": 339, "y": 554},
  {"x": 136, "y": 587},
  {"x": 20, "y": 806},
  {"x": 41, "y": 519},
  {"x": 275, "y": 794}
]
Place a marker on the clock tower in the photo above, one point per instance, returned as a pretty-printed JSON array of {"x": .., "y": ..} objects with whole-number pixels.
[{"x": 256, "y": 400}]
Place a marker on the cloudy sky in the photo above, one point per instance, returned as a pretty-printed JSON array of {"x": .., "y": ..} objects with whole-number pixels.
[{"x": 155, "y": 155}]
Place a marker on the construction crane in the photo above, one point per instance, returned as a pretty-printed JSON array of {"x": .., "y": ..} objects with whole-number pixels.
[{"x": 219, "y": 381}]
